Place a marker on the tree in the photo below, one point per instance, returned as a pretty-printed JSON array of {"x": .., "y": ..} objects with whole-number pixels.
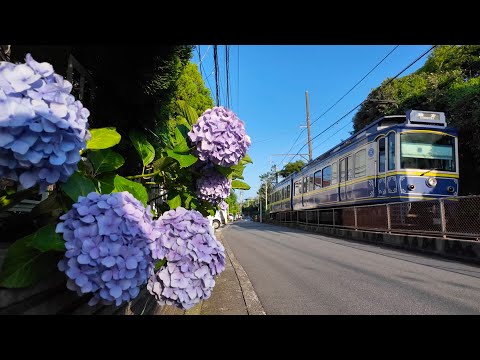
[
  {"x": 290, "y": 168},
  {"x": 268, "y": 178},
  {"x": 189, "y": 87},
  {"x": 449, "y": 81},
  {"x": 233, "y": 206}
]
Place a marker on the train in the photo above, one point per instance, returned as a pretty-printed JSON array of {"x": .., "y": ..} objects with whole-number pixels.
[{"x": 396, "y": 158}]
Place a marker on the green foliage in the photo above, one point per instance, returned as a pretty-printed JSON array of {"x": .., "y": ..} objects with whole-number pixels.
[
  {"x": 25, "y": 265},
  {"x": 106, "y": 182},
  {"x": 143, "y": 147},
  {"x": 237, "y": 184},
  {"x": 105, "y": 160},
  {"x": 180, "y": 142},
  {"x": 185, "y": 160},
  {"x": 78, "y": 185},
  {"x": 159, "y": 264},
  {"x": 268, "y": 178},
  {"x": 46, "y": 239},
  {"x": 290, "y": 168},
  {"x": 174, "y": 200},
  {"x": 187, "y": 112},
  {"x": 233, "y": 205},
  {"x": 134, "y": 188},
  {"x": 247, "y": 159},
  {"x": 189, "y": 90},
  {"x": 192, "y": 90},
  {"x": 103, "y": 138},
  {"x": 162, "y": 163}
]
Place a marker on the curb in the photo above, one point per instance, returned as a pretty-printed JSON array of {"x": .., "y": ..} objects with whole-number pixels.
[{"x": 254, "y": 307}]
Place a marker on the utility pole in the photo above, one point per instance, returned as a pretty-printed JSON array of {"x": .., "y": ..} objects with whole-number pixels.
[
  {"x": 241, "y": 202},
  {"x": 308, "y": 129},
  {"x": 260, "y": 206},
  {"x": 266, "y": 197}
]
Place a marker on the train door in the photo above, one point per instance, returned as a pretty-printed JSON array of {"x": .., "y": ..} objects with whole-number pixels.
[
  {"x": 349, "y": 188},
  {"x": 381, "y": 168},
  {"x": 304, "y": 189},
  {"x": 343, "y": 179}
]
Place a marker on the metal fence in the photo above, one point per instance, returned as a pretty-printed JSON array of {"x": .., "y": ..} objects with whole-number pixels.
[{"x": 448, "y": 217}]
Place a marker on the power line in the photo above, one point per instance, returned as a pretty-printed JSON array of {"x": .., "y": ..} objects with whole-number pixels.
[
  {"x": 206, "y": 52},
  {"x": 358, "y": 82},
  {"x": 238, "y": 78},
  {"x": 215, "y": 60},
  {"x": 348, "y": 113},
  {"x": 294, "y": 143},
  {"x": 348, "y": 92},
  {"x": 227, "y": 59},
  {"x": 202, "y": 70}
]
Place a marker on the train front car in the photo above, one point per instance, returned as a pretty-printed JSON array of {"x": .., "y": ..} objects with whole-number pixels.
[{"x": 418, "y": 161}]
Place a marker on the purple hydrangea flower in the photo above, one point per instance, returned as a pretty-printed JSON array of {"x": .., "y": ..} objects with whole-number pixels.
[
  {"x": 213, "y": 187},
  {"x": 223, "y": 205},
  {"x": 42, "y": 127},
  {"x": 194, "y": 257},
  {"x": 107, "y": 240},
  {"x": 220, "y": 137}
]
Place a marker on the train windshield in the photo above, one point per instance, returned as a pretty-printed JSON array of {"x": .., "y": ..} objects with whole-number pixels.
[{"x": 427, "y": 151}]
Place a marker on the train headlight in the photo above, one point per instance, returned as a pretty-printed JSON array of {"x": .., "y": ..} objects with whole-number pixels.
[
  {"x": 411, "y": 187},
  {"x": 431, "y": 182},
  {"x": 450, "y": 189}
]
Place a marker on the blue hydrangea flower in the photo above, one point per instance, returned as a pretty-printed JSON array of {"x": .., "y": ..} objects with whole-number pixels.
[
  {"x": 42, "y": 127},
  {"x": 194, "y": 257},
  {"x": 107, "y": 240},
  {"x": 219, "y": 136},
  {"x": 213, "y": 187}
]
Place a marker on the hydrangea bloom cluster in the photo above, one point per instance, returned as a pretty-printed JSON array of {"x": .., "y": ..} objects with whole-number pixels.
[
  {"x": 42, "y": 127},
  {"x": 223, "y": 205},
  {"x": 213, "y": 187},
  {"x": 194, "y": 257},
  {"x": 220, "y": 137},
  {"x": 107, "y": 237}
]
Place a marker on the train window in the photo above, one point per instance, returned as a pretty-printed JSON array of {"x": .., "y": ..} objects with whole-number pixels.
[
  {"x": 360, "y": 163},
  {"x": 311, "y": 185},
  {"x": 381, "y": 155},
  {"x": 305, "y": 185},
  {"x": 427, "y": 151},
  {"x": 342, "y": 170},
  {"x": 318, "y": 179},
  {"x": 350, "y": 167},
  {"x": 283, "y": 193},
  {"x": 391, "y": 151},
  {"x": 298, "y": 187},
  {"x": 288, "y": 191},
  {"x": 327, "y": 176},
  {"x": 334, "y": 173}
]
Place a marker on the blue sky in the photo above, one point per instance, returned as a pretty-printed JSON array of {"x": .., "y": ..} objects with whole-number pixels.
[{"x": 267, "y": 92}]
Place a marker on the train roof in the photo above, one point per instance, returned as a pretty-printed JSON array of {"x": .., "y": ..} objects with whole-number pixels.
[{"x": 412, "y": 117}]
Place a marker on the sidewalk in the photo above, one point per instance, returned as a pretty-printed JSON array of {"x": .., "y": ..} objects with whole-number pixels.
[{"x": 233, "y": 293}]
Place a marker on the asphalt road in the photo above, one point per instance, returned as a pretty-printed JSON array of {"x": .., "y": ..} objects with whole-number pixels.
[{"x": 295, "y": 272}]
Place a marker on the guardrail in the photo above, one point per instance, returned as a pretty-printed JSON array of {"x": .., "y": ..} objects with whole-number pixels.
[{"x": 448, "y": 217}]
